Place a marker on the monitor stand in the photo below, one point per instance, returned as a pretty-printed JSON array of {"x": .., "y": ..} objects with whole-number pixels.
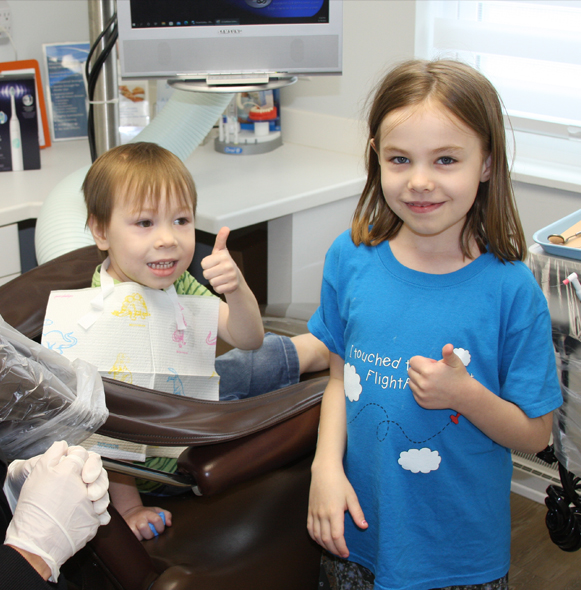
[{"x": 232, "y": 82}]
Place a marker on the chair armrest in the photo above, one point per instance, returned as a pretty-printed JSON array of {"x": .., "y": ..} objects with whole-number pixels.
[
  {"x": 229, "y": 442},
  {"x": 217, "y": 467},
  {"x": 145, "y": 416}
]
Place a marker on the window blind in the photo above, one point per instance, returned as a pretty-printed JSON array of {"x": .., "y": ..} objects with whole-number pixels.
[{"x": 530, "y": 50}]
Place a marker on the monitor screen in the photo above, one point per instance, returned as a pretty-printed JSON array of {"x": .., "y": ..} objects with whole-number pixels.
[
  {"x": 161, "y": 13},
  {"x": 169, "y": 38}
]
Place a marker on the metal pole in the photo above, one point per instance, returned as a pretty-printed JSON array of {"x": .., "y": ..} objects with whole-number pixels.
[{"x": 105, "y": 112}]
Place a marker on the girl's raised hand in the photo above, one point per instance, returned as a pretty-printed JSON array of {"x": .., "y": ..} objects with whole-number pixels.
[
  {"x": 219, "y": 267},
  {"x": 330, "y": 497},
  {"x": 438, "y": 385}
]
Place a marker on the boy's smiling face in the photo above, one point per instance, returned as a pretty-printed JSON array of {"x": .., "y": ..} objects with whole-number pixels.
[{"x": 152, "y": 246}]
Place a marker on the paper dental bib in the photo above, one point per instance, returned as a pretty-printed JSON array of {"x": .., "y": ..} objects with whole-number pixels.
[{"x": 144, "y": 336}]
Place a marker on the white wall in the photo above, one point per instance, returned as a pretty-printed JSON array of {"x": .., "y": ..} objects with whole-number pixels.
[{"x": 35, "y": 22}]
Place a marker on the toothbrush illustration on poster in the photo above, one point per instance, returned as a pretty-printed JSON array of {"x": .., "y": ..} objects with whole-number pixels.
[
  {"x": 19, "y": 147},
  {"x": 15, "y": 134},
  {"x": 65, "y": 63}
]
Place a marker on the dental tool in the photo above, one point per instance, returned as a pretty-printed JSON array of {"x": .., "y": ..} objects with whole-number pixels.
[
  {"x": 574, "y": 280},
  {"x": 561, "y": 240}
]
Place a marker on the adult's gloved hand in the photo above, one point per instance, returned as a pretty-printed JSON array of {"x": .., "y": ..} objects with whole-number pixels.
[
  {"x": 92, "y": 474},
  {"x": 95, "y": 476},
  {"x": 16, "y": 475},
  {"x": 54, "y": 516}
]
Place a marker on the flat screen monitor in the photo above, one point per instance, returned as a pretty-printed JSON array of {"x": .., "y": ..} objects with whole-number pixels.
[{"x": 194, "y": 38}]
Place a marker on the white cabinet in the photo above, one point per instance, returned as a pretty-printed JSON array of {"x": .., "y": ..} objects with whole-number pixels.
[{"x": 9, "y": 253}]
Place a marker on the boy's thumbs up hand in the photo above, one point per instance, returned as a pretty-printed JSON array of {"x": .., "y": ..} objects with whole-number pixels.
[
  {"x": 221, "y": 239},
  {"x": 219, "y": 267}
]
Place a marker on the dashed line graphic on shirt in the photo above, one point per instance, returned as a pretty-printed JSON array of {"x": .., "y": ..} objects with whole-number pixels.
[
  {"x": 424, "y": 460},
  {"x": 387, "y": 421}
]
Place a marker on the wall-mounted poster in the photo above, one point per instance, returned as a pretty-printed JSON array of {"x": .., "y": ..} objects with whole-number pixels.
[
  {"x": 133, "y": 108},
  {"x": 65, "y": 64},
  {"x": 19, "y": 149},
  {"x": 30, "y": 67}
]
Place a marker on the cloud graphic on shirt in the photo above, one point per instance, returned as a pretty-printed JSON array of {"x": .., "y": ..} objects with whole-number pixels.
[
  {"x": 420, "y": 460},
  {"x": 352, "y": 383},
  {"x": 463, "y": 355}
]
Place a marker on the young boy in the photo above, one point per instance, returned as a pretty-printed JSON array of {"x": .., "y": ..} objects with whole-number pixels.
[{"x": 141, "y": 202}]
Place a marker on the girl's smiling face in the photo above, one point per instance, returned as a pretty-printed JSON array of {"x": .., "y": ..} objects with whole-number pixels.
[
  {"x": 431, "y": 166},
  {"x": 152, "y": 246}
]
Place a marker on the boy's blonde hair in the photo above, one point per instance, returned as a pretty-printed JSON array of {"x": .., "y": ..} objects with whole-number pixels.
[
  {"x": 137, "y": 172},
  {"x": 493, "y": 220}
]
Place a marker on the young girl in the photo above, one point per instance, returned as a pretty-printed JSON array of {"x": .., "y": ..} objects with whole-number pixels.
[{"x": 441, "y": 347}]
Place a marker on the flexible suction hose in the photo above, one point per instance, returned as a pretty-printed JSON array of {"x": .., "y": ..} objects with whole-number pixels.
[
  {"x": 180, "y": 127},
  {"x": 185, "y": 120}
]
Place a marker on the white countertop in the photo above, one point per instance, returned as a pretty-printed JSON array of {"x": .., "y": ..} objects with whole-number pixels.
[
  {"x": 233, "y": 191},
  {"x": 238, "y": 191},
  {"x": 22, "y": 193}
]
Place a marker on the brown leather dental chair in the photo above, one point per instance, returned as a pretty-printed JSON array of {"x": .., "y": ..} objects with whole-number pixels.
[{"x": 248, "y": 460}]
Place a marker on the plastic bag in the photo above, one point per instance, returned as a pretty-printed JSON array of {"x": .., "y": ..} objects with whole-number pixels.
[
  {"x": 567, "y": 419},
  {"x": 565, "y": 307},
  {"x": 44, "y": 397}
]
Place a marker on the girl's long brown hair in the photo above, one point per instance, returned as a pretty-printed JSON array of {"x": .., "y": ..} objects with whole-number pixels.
[{"x": 493, "y": 220}]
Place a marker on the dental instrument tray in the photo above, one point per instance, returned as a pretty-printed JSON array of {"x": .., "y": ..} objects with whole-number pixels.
[{"x": 560, "y": 228}]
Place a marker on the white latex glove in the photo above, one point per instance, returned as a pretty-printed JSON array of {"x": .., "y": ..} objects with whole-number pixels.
[
  {"x": 54, "y": 517},
  {"x": 97, "y": 481},
  {"x": 17, "y": 473},
  {"x": 92, "y": 474}
]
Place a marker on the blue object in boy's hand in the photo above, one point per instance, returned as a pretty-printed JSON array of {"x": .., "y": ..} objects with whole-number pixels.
[{"x": 162, "y": 514}]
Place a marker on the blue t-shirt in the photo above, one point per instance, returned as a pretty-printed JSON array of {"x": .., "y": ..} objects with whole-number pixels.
[{"x": 434, "y": 488}]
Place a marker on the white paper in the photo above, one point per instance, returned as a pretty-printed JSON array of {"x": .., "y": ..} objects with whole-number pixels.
[
  {"x": 136, "y": 339},
  {"x": 113, "y": 448},
  {"x": 123, "y": 450},
  {"x": 133, "y": 108}
]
